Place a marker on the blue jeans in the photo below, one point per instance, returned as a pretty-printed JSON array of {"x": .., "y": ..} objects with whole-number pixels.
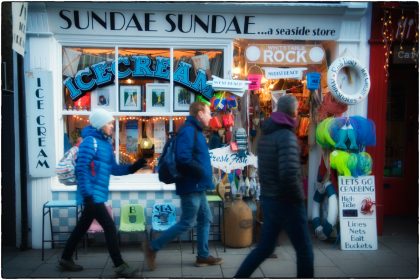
[
  {"x": 291, "y": 217},
  {"x": 194, "y": 207}
]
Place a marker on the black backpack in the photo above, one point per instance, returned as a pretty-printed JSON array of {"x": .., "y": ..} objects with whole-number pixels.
[{"x": 166, "y": 167}]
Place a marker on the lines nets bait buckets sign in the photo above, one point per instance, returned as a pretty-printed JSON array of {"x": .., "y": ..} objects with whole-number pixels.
[{"x": 357, "y": 213}]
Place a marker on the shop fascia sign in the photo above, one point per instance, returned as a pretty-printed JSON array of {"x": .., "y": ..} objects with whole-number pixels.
[
  {"x": 237, "y": 87},
  {"x": 85, "y": 21},
  {"x": 284, "y": 54},
  {"x": 103, "y": 73},
  {"x": 405, "y": 54},
  {"x": 40, "y": 123}
]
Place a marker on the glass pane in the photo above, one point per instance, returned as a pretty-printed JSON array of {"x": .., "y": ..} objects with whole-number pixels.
[
  {"x": 72, "y": 130},
  {"x": 209, "y": 60},
  {"x": 395, "y": 133},
  {"x": 144, "y": 137},
  {"x": 142, "y": 73},
  {"x": 75, "y": 59}
]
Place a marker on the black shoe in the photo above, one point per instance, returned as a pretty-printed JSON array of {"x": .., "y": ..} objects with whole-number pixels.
[
  {"x": 210, "y": 260},
  {"x": 124, "y": 270},
  {"x": 69, "y": 265}
]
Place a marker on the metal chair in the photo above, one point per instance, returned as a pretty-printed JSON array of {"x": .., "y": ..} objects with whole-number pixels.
[{"x": 47, "y": 210}]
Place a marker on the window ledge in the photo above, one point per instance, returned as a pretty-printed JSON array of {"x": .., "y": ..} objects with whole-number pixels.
[{"x": 134, "y": 182}]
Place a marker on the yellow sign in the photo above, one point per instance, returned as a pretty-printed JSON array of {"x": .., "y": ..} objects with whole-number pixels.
[{"x": 284, "y": 54}]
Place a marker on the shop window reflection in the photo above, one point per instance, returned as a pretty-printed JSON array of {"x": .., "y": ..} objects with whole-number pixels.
[
  {"x": 142, "y": 123},
  {"x": 75, "y": 59},
  {"x": 210, "y": 60},
  {"x": 144, "y": 137}
]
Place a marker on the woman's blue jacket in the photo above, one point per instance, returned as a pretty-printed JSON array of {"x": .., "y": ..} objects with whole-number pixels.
[{"x": 95, "y": 166}]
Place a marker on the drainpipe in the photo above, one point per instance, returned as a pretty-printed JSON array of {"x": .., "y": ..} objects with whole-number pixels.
[{"x": 20, "y": 91}]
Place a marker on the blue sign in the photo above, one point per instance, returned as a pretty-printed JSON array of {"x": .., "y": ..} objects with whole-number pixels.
[{"x": 103, "y": 73}]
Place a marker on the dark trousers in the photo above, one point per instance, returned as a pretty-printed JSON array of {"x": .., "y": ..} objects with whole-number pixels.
[
  {"x": 99, "y": 212},
  {"x": 291, "y": 217}
]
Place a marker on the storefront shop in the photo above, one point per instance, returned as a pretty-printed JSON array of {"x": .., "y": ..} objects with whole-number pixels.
[
  {"x": 393, "y": 105},
  {"x": 146, "y": 62}
]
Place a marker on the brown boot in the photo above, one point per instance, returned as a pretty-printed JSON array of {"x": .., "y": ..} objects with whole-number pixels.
[
  {"x": 69, "y": 265},
  {"x": 210, "y": 260},
  {"x": 149, "y": 255}
]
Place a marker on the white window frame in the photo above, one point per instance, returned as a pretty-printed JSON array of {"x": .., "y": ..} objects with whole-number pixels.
[{"x": 133, "y": 182}]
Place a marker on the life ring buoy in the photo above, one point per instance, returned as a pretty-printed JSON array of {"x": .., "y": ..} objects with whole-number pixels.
[
  {"x": 324, "y": 228},
  {"x": 346, "y": 90}
]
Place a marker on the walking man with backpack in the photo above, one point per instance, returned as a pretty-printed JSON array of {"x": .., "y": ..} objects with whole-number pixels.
[
  {"x": 94, "y": 164},
  {"x": 193, "y": 162}
]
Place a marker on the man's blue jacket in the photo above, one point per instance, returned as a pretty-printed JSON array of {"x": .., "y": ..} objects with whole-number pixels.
[{"x": 192, "y": 159}]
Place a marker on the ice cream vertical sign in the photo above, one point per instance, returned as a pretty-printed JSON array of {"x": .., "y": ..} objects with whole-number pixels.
[{"x": 357, "y": 213}]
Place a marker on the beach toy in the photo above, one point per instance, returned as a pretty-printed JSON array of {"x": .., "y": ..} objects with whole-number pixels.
[{"x": 322, "y": 134}]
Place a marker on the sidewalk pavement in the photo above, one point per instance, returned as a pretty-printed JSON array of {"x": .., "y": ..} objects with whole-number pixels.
[{"x": 396, "y": 257}]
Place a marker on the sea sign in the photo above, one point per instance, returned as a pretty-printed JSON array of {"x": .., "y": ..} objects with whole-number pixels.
[
  {"x": 226, "y": 160},
  {"x": 103, "y": 73}
]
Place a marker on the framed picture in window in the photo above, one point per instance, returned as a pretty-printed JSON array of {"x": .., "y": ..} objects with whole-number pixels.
[
  {"x": 182, "y": 99},
  {"x": 130, "y": 99},
  {"x": 103, "y": 98},
  {"x": 157, "y": 98}
]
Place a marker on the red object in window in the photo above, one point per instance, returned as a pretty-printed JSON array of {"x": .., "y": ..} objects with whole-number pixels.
[
  {"x": 215, "y": 123},
  {"x": 227, "y": 120},
  {"x": 83, "y": 101}
]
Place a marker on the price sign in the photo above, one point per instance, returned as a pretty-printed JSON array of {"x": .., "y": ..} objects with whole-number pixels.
[{"x": 357, "y": 213}]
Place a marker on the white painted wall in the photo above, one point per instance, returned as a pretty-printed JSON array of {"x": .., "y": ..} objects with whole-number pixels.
[{"x": 355, "y": 34}]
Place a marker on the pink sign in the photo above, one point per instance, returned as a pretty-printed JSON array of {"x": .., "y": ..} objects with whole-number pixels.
[{"x": 255, "y": 80}]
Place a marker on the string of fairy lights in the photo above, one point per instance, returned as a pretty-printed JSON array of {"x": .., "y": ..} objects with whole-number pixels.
[
  {"x": 387, "y": 37},
  {"x": 85, "y": 119},
  {"x": 405, "y": 26},
  {"x": 131, "y": 157}
]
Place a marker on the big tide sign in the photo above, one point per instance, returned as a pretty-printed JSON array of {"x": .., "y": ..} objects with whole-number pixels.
[{"x": 357, "y": 213}]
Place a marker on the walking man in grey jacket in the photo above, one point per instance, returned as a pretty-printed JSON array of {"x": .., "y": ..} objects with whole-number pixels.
[{"x": 282, "y": 198}]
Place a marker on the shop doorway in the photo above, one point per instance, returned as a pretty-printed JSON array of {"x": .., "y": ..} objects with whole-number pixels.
[{"x": 401, "y": 143}]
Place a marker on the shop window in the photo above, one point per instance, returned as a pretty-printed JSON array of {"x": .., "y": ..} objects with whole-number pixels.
[
  {"x": 145, "y": 107},
  {"x": 144, "y": 137}
]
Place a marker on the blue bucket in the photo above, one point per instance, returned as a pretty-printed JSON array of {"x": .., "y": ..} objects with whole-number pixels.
[{"x": 313, "y": 80}]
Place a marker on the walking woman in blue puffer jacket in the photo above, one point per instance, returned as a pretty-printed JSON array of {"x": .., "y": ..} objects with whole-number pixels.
[{"x": 94, "y": 165}]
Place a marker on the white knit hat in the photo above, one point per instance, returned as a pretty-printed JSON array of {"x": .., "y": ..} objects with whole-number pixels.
[{"x": 99, "y": 118}]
